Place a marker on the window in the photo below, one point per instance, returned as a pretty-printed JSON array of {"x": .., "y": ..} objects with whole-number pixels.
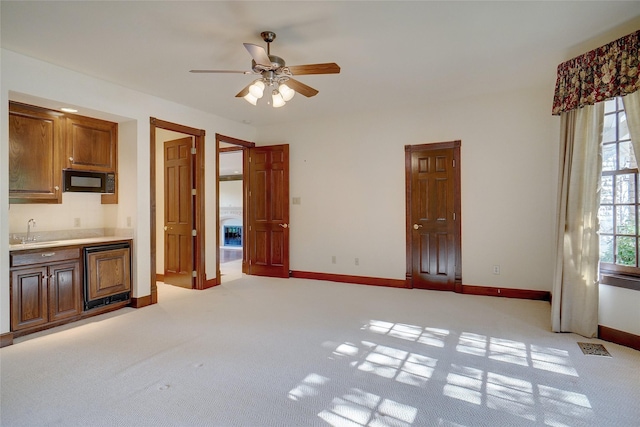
[{"x": 619, "y": 208}]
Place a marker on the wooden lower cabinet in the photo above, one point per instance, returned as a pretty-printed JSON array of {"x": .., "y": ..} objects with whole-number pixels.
[
  {"x": 29, "y": 298},
  {"x": 44, "y": 294},
  {"x": 65, "y": 291},
  {"x": 48, "y": 285}
]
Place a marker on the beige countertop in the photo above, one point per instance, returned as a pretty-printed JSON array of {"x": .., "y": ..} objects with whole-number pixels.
[{"x": 68, "y": 242}]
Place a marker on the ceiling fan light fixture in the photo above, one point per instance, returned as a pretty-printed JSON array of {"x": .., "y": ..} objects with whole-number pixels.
[
  {"x": 257, "y": 89},
  {"x": 251, "y": 99},
  {"x": 278, "y": 101},
  {"x": 286, "y": 92}
]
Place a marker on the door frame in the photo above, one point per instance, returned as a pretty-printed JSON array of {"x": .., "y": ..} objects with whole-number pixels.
[
  {"x": 409, "y": 149},
  {"x": 240, "y": 145},
  {"x": 198, "y": 202}
]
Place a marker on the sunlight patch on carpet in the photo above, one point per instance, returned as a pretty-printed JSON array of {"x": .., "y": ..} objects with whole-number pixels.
[{"x": 592, "y": 349}]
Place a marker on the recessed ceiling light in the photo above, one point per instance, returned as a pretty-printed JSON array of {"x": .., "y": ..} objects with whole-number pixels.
[{"x": 69, "y": 110}]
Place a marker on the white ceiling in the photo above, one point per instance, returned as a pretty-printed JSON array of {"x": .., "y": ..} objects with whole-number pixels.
[{"x": 393, "y": 55}]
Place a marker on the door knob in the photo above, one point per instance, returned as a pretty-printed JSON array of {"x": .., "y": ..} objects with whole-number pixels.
[
  {"x": 416, "y": 226},
  {"x": 284, "y": 225},
  {"x": 166, "y": 228}
]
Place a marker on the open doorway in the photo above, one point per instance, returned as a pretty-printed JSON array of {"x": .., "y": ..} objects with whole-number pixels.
[
  {"x": 162, "y": 131},
  {"x": 231, "y": 199},
  {"x": 231, "y": 207}
]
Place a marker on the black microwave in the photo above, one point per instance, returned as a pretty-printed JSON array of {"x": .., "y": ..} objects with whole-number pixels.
[{"x": 78, "y": 181}]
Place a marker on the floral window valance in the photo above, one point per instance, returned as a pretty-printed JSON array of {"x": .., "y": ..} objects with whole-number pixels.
[{"x": 598, "y": 75}]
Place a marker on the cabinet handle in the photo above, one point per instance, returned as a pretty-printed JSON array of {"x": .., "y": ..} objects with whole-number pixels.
[
  {"x": 56, "y": 188},
  {"x": 71, "y": 159},
  {"x": 48, "y": 254}
]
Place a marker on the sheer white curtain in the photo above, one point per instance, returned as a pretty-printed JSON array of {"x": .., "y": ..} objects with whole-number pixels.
[
  {"x": 632, "y": 110},
  {"x": 574, "y": 305}
]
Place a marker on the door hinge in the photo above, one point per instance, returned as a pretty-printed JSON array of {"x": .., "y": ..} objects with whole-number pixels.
[
  {"x": 454, "y": 163},
  {"x": 454, "y": 216},
  {"x": 193, "y": 150},
  {"x": 193, "y": 191},
  {"x": 194, "y": 273},
  {"x": 194, "y": 233}
]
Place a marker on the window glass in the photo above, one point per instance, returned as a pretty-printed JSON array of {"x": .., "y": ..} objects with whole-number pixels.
[
  {"x": 609, "y": 129},
  {"x": 619, "y": 194},
  {"x": 609, "y": 157},
  {"x": 627, "y": 156}
]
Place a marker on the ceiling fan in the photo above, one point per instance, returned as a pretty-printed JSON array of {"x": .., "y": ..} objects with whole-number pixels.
[{"x": 275, "y": 74}]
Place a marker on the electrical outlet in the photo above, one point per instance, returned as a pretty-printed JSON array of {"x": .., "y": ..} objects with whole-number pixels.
[
  {"x": 296, "y": 201},
  {"x": 496, "y": 269},
  {"x": 128, "y": 221},
  {"x": 357, "y": 261},
  {"x": 333, "y": 259},
  {"x": 76, "y": 222}
]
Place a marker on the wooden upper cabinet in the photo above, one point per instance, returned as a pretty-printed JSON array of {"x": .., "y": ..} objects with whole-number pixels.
[
  {"x": 43, "y": 142},
  {"x": 91, "y": 144},
  {"x": 35, "y": 145}
]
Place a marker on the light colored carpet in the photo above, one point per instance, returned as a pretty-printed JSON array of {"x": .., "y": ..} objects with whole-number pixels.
[{"x": 276, "y": 352}]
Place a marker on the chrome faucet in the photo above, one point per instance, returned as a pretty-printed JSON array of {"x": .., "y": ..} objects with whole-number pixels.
[{"x": 29, "y": 224}]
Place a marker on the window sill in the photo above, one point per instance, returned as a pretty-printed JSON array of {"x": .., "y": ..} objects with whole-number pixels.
[{"x": 620, "y": 281}]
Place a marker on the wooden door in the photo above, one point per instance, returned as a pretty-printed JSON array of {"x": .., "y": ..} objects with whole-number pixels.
[
  {"x": 178, "y": 213},
  {"x": 29, "y": 298},
  {"x": 64, "y": 291},
  {"x": 268, "y": 211},
  {"x": 433, "y": 215}
]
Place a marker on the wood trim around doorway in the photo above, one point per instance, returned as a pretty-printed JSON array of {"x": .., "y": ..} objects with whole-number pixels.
[{"x": 199, "y": 218}]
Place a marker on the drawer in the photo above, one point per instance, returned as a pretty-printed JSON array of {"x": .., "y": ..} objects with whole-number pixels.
[{"x": 49, "y": 255}]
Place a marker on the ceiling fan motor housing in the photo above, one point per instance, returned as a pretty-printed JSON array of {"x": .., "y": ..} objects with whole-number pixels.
[{"x": 276, "y": 64}]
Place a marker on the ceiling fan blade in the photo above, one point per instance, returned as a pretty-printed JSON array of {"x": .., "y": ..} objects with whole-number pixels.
[
  {"x": 221, "y": 71},
  {"x": 301, "y": 88},
  {"x": 244, "y": 91},
  {"x": 258, "y": 54},
  {"x": 327, "y": 68}
]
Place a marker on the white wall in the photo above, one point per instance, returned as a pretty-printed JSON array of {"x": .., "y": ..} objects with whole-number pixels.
[
  {"x": 26, "y": 76},
  {"x": 349, "y": 174},
  {"x": 231, "y": 194}
]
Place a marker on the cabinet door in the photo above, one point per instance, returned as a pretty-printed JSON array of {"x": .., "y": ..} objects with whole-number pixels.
[
  {"x": 109, "y": 273},
  {"x": 91, "y": 144},
  {"x": 34, "y": 155},
  {"x": 28, "y": 298},
  {"x": 64, "y": 291}
]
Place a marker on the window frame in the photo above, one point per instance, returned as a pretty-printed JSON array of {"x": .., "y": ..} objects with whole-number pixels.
[{"x": 612, "y": 273}]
